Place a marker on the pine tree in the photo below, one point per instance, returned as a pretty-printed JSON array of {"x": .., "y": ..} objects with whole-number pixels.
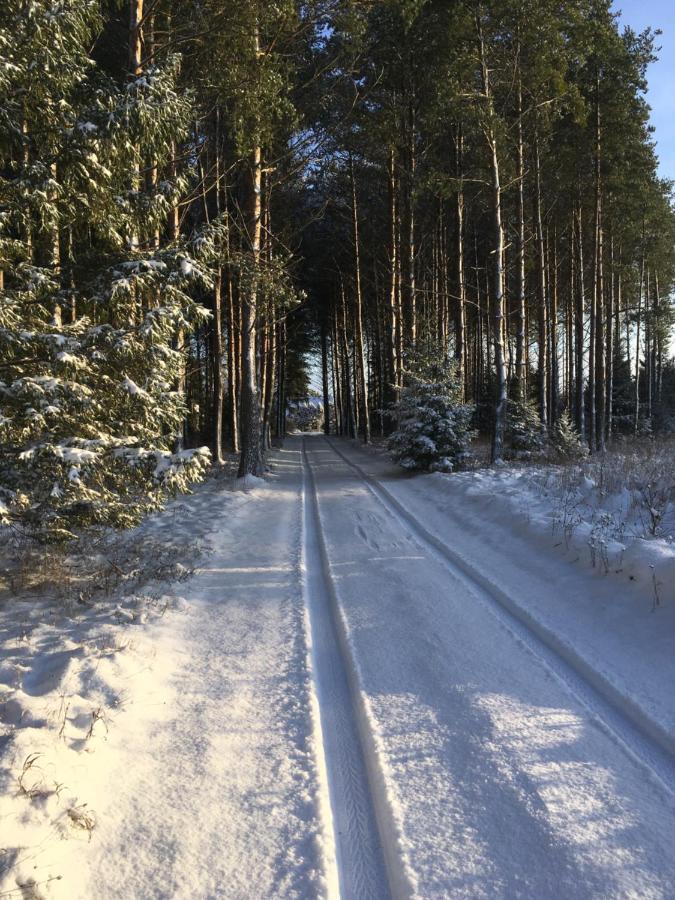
[
  {"x": 434, "y": 428},
  {"x": 91, "y": 306},
  {"x": 526, "y": 433},
  {"x": 565, "y": 440}
]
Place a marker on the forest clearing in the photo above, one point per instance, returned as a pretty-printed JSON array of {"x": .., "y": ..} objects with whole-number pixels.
[{"x": 337, "y": 452}]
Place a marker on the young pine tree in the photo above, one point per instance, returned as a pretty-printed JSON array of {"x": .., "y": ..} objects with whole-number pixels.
[{"x": 434, "y": 427}]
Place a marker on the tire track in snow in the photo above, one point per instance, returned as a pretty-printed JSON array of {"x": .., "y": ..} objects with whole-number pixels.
[
  {"x": 361, "y": 868},
  {"x": 628, "y": 727}
]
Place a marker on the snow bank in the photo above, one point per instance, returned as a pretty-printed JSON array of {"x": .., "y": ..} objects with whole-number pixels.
[
  {"x": 71, "y": 684},
  {"x": 81, "y": 682},
  {"x": 613, "y": 515}
]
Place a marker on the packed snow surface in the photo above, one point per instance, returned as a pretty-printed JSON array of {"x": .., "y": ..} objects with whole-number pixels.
[{"x": 374, "y": 686}]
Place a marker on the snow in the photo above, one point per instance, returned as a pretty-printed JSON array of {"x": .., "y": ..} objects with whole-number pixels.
[
  {"x": 201, "y": 769},
  {"x": 374, "y": 685},
  {"x": 75, "y": 455},
  {"x": 500, "y": 524},
  {"x": 69, "y": 359},
  {"x": 249, "y": 482},
  {"x": 132, "y": 388},
  {"x": 502, "y": 776}
]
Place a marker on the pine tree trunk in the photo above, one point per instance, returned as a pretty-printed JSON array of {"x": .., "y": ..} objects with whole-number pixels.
[
  {"x": 250, "y": 462},
  {"x": 324, "y": 378},
  {"x": 460, "y": 318},
  {"x": 600, "y": 348},
  {"x": 498, "y": 252},
  {"x": 611, "y": 337},
  {"x": 636, "y": 411},
  {"x": 521, "y": 366},
  {"x": 348, "y": 394},
  {"x": 554, "y": 373},
  {"x": 569, "y": 322},
  {"x": 217, "y": 368},
  {"x": 232, "y": 355},
  {"x": 658, "y": 367},
  {"x": 409, "y": 295},
  {"x": 281, "y": 380},
  {"x": 542, "y": 295},
  {"x": 579, "y": 314},
  {"x": 498, "y": 310},
  {"x": 364, "y": 413},
  {"x": 392, "y": 319}
]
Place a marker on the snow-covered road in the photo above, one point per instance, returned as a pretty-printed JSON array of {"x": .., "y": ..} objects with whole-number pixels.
[
  {"x": 498, "y": 771},
  {"x": 351, "y": 713},
  {"x": 219, "y": 798}
]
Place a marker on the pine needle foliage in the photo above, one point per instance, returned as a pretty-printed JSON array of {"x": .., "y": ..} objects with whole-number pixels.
[
  {"x": 434, "y": 429},
  {"x": 565, "y": 440},
  {"x": 93, "y": 303},
  {"x": 525, "y": 434}
]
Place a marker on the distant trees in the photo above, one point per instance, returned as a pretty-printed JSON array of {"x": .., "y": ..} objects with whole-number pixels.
[{"x": 508, "y": 208}]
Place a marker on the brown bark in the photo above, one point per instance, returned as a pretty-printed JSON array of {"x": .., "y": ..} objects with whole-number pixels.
[
  {"x": 498, "y": 254},
  {"x": 460, "y": 317},
  {"x": 521, "y": 366},
  {"x": 542, "y": 298},
  {"x": 359, "y": 362},
  {"x": 251, "y": 462},
  {"x": 579, "y": 313}
]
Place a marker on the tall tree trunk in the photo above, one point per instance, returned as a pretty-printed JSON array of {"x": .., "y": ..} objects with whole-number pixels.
[
  {"x": 232, "y": 344},
  {"x": 251, "y": 462},
  {"x": 217, "y": 321},
  {"x": 521, "y": 367},
  {"x": 392, "y": 319},
  {"x": 217, "y": 368},
  {"x": 136, "y": 69},
  {"x": 659, "y": 349},
  {"x": 498, "y": 253},
  {"x": 281, "y": 380},
  {"x": 324, "y": 377},
  {"x": 579, "y": 313},
  {"x": 554, "y": 373},
  {"x": 611, "y": 338},
  {"x": 569, "y": 322},
  {"x": 348, "y": 397},
  {"x": 636, "y": 411},
  {"x": 364, "y": 413},
  {"x": 409, "y": 293},
  {"x": 337, "y": 374},
  {"x": 460, "y": 317},
  {"x": 543, "y": 294},
  {"x": 600, "y": 347}
]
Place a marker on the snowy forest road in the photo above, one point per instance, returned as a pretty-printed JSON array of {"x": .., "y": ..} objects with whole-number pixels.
[
  {"x": 495, "y": 769},
  {"x": 342, "y": 712}
]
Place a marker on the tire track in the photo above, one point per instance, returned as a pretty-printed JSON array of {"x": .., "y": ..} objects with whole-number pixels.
[
  {"x": 357, "y": 810},
  {"x": 628, "y": 727}
]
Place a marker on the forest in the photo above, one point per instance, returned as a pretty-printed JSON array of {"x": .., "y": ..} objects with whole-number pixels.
[
  {"x": 205, "y": 207},
  {"x": 337, "y": 441}
]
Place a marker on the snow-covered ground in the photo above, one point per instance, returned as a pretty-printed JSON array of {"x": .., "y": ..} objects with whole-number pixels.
[
  {"x": 373, "y": 686},
  {"x": 509, "y": 770},
  {"x": 574, "y": 555},
  {"x": 165, "y": 748}
]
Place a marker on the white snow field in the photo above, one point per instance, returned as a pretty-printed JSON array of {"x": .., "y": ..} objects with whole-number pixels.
[{"x": 377, "y": 686}]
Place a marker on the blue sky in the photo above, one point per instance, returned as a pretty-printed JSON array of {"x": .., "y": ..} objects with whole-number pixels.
[{"x": 640, "y": 14}]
